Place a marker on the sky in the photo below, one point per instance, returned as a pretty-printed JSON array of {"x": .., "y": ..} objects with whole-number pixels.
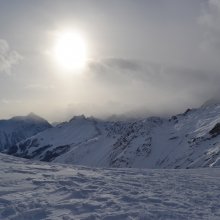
[{"x": 144, "y": 57}]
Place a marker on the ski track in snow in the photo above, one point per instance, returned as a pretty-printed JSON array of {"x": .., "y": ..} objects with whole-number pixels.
[{"x": 31, "y": 190}]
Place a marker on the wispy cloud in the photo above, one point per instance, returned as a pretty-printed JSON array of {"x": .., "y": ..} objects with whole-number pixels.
[
  {"x": 119, "y": 70},
  {"x": 10, "y": 101},
  {"x": 8, "y": 57},
  {"x": 39, "y": 87},
  {"x": 210, "y": 20}
]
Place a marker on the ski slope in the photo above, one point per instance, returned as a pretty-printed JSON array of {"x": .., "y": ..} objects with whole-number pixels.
[{"x": 31, "y": 190}]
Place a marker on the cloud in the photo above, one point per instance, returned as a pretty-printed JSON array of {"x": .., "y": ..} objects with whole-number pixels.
[
  {"x": 210, "y": 20},
  {"x": 8, "y": 57},
  {"x": 120, "y": 64},
  {"x": 39, "y": 87},
  {"x": 120, "y": 71},
  {"x": 114, "y": 70},
  {"x": 10, "y": 101},
  {"x": 144, "y": 87}
]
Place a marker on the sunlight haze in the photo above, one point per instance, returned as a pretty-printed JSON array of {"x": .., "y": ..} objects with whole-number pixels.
[{"x": 104, "y": 58}]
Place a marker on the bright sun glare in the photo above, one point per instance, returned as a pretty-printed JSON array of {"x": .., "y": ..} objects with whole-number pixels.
[{"x": 70, "y": 50}]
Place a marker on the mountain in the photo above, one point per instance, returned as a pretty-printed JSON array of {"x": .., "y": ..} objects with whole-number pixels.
[
  {"x": 33, "y": 190},
  {"x": 188, "y": 140},
  {"x": 212, "y": 101},
  {"x": 19, "y": 128}
]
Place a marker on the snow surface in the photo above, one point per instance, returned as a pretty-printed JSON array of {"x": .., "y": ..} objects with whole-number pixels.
[{"x": 31, "y": 190}]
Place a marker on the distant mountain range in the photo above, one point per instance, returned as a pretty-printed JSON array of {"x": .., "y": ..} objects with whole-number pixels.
[
  {"x": 188, "y": 140},
  {"x": 19, "y": 128}
]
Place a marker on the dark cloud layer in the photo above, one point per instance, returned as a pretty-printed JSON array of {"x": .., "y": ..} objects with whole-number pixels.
[{"x": 120, "y": 71}]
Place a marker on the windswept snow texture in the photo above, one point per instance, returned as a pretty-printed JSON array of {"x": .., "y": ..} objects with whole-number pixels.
[
  {"x": 188, "y": 140},
  {"x": 36, "y": 190},
  {"x": 19, "y": 128}
]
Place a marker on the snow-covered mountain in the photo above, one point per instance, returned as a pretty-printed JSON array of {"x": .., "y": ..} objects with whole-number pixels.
[
  {"x": 19, "y": 128},
  {"x": 188, "y": 140}
]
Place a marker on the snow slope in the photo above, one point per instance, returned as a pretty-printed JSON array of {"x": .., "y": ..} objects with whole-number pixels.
[
  {"x": 35, "y": 190},
  {"x": 19, "y": 128},
  {"x": 188, "y": 140}
]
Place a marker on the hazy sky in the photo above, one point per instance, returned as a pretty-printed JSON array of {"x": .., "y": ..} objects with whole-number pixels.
[{"x": 144, "y": 56}]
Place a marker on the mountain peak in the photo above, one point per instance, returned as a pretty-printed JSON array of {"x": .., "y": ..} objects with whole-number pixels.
[
  {"x": 78, "y": 118},
  {"x": 212, "y": 101},
  {"x": 18, "y": 128},
  {"x": 32, "y": 115}
]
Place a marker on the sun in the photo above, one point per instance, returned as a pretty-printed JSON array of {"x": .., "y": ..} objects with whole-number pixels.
[{"x": 70, "y": 50}]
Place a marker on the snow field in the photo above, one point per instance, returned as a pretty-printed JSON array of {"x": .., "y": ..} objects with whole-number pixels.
[{"x": 36, "y": 190}]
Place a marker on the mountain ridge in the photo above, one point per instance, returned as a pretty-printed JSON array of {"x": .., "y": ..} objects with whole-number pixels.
[
  {"x": 19, "y": 128},
  {"x": 186, "y": 140}
]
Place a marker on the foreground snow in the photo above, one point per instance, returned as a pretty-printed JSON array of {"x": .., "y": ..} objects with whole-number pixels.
[{"x": 34, "y": 190}]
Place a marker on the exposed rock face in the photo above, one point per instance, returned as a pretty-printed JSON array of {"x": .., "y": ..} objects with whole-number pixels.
[{"x": 216, "y": 130}]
